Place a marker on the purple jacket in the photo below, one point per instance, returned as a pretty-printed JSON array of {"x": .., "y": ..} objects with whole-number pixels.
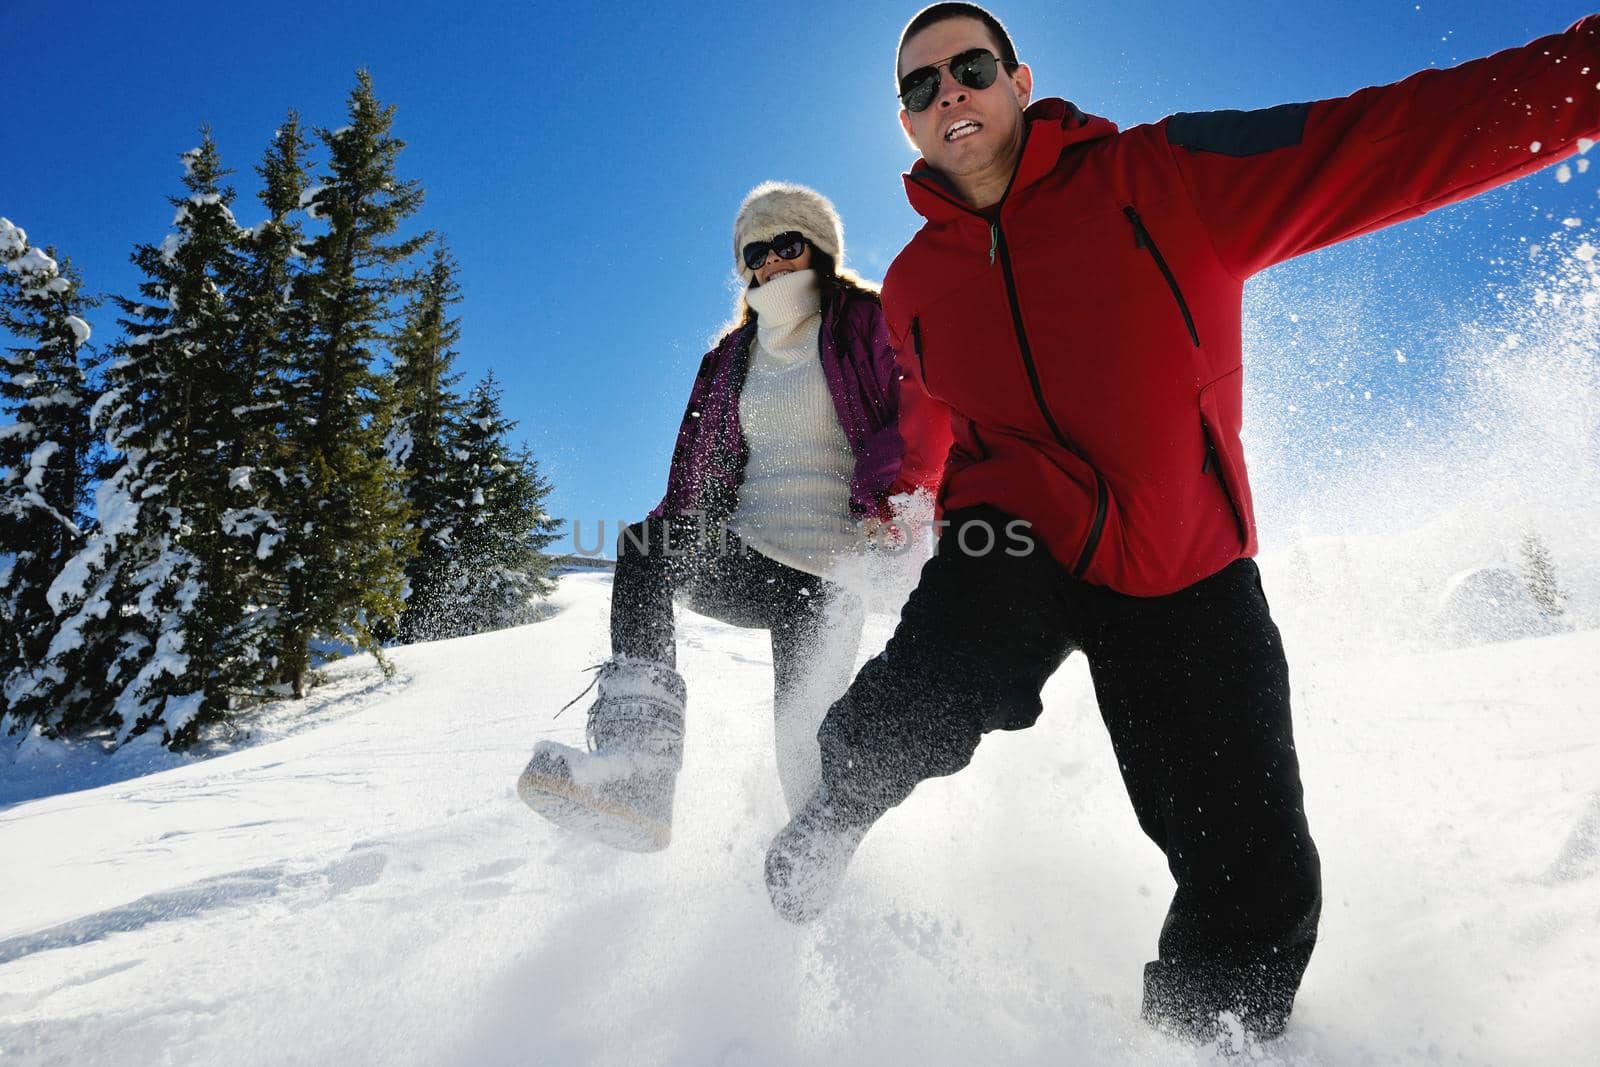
[{"x": 859, "y": 364}]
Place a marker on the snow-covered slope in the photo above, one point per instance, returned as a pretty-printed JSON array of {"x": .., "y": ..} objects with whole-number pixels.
[{"x": 368, "y": 888}]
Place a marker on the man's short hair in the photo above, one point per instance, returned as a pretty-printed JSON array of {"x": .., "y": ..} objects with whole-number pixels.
[{"x": 937, "y": 13}]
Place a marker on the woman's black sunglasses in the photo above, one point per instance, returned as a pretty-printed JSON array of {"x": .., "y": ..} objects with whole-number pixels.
[
  {"x": 975, "y": 68},
  {"x": 788, "y": 246}
]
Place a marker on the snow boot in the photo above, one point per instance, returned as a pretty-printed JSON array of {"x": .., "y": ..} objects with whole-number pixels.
[
  {"x": 807, "y": 861},
  {"x": 620, "y": 791}
]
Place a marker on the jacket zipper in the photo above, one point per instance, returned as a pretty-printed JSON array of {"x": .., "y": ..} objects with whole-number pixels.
[
  {"x": 916, "y": 346},
  {"x": 998, "y": 247},
  {"x": 997, "y": 243},
  {"x": 1142, "y": 239}
]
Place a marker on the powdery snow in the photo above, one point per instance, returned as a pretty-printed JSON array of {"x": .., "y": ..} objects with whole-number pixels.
[{"x": 369, "y": 889}]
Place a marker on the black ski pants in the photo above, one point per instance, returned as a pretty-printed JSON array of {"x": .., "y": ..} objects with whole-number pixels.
[
  {"x": 815, "y": 624},
  {"x": 1194, "y": 690}
]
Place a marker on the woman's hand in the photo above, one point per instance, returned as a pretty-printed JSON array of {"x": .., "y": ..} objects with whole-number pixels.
[{"x": 882, "y": 534}]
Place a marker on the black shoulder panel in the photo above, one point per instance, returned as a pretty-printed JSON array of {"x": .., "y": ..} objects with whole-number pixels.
[{"x": 1239, "y": 133}]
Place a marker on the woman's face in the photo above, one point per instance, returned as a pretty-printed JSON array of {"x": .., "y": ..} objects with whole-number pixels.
[{"x": 776, "y": 265}]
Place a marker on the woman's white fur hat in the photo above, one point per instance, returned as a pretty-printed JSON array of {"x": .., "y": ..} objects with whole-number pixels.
[{"x": 772, "y": 208}]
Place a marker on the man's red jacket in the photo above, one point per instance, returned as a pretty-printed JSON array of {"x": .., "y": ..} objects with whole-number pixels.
[{"x": 1087, "y": 343}]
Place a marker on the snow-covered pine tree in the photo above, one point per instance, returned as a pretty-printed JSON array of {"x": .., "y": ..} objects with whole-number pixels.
[
  {"x": 47, "y": 451},
  {"x": 348, "y": 531},
  {"x": 423, "y": 444},
  {"x": 154, "y": 617},
  {"x": 500, "y": 569},
  {"x": 1539, "y": 574},
  {"x": 267, "y": 471}
]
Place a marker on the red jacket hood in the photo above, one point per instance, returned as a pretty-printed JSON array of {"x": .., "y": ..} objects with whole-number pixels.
[{"x": 1053, "y": 126}]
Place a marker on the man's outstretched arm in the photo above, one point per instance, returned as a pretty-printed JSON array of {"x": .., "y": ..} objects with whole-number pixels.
[{"x": 1276, "y": 183}]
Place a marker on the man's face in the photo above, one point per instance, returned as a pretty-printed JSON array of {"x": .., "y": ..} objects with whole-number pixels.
[{"x": 965, "y": 133}]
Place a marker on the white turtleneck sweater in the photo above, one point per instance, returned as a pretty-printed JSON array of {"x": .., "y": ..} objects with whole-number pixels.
[{"x": 794, "y": 504}]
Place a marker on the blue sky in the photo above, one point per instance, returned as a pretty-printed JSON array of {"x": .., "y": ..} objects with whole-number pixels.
[{"x": 584, "y": 161}]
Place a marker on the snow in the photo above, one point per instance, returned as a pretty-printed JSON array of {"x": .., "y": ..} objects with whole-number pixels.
[
  {"x": 239, "y": 477},
  {"x": 59, "y": 398},
  {"x": 37, "y": 464},
  {"x": 13, "y": 239},
  {"x": 33, "y": 261},
  {"x": 79, "y": 328},
  {"x": 363, "y": 885},
  {"x": 308, "y": 200},
  {"x": 117, "y": 514}
]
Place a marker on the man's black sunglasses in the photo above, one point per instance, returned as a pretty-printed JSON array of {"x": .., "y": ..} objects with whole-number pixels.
[
  {"x": 788, "y": 245},
  {"x": 976, "y": 68}
]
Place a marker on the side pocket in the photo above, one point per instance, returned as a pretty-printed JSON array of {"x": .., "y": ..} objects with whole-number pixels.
[
  {"x": 965, "y": 450},
  {"x": 977, "y": 442},
  {"x": 1221, "y": 416}
]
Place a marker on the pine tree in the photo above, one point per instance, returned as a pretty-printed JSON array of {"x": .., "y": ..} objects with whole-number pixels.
[
  {"x": 348, "y": 532},
  {"x": 1539, "y": 573},
  {"x": 267, "y": 469},
  {"x": 47, "y": 449},
  {"x": 155, "y": 619},
  {"x": 500, "y": 569},
  {"x": 423, "y": 443}
]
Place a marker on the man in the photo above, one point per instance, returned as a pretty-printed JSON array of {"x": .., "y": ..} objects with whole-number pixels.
[{"x": 1074, "y": 299}]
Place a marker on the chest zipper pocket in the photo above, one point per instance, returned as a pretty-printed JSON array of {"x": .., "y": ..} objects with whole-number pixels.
[
  {"x": 916, "y": 347},
  {"x": 1143, "y": 240}
]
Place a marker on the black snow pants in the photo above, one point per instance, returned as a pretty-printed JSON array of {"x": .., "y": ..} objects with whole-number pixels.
[
  {"x": 815, "y": 624},
  {"x": 1194, "y": 690}
]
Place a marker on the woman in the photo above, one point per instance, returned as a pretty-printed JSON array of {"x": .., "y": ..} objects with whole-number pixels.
[{"x": 789, "y": 452}]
